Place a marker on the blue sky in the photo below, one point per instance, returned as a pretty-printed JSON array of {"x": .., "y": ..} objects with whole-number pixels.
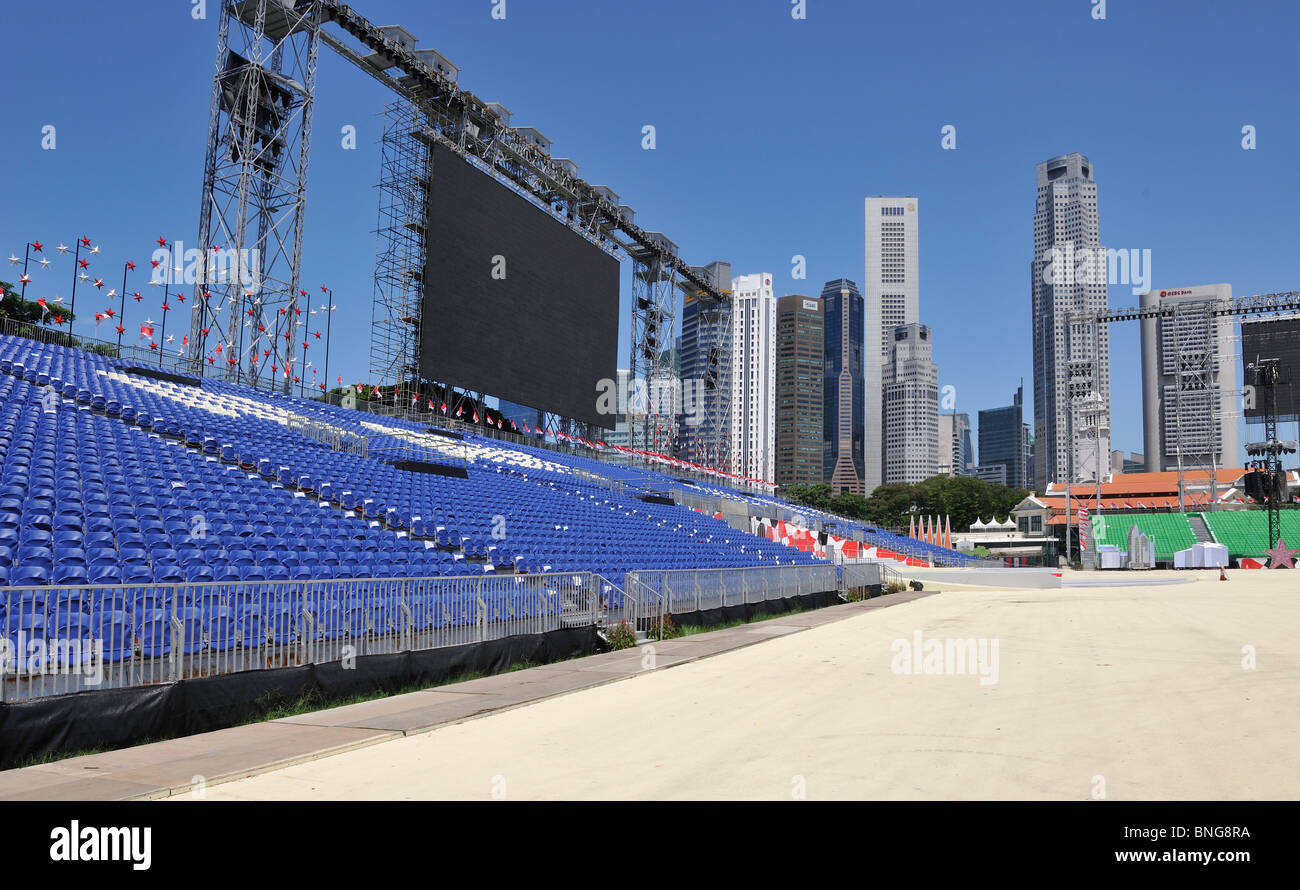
[{"x": 770, "y": 131}]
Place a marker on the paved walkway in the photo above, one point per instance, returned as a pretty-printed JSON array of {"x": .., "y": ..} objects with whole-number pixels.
[
  {"x": 1187, "y": 691},
  {"x": 180, "y": 766}
]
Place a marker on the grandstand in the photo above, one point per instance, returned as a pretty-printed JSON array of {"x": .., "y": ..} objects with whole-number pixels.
[
  {"x": 1243, "y": 532},
  {"x": 155, "y": 512}
]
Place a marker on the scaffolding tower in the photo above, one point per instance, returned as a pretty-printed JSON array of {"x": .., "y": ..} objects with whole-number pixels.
[
  {"x": 406, "y": 156},
  {"x": 254, "y": 192}
]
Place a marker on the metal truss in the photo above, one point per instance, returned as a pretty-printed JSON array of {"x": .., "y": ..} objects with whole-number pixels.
[
  {"x": 254, "y": 192},
  {"x": 654, "y": 300}
]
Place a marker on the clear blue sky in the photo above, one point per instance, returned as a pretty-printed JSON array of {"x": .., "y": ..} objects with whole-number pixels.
[{"x": 770, "y": 133}]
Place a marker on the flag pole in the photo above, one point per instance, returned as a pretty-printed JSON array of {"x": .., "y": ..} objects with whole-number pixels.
[
  {"x": 76, "y": 265},
  {"x": 306, "y": 339},
  {"x": 329, "y": 325},
  {"x": 162, "y": 339},
  {"x": 121, "y": 312}
]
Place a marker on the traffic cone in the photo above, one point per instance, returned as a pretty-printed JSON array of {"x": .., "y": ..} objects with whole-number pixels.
[{"x": 1223, "y": 575}]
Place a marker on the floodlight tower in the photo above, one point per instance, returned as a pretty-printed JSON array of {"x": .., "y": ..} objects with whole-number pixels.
[{"x": 255, "y": 190}]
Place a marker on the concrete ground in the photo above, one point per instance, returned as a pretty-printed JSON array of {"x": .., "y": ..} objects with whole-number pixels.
[{"x": 1182, "y": 691}]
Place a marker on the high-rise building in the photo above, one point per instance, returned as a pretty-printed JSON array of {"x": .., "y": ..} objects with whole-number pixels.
[
  {"x": 890, "y": 290},
  {"x": 753, "y": 376},
  {"x": 911, "y": 407},
  {"x": 844, "y": 423},
  {"x": 1120, "y": 463},
  {"x": 1004, "y": 439},
  {"x": 1071, "y": 370},
  {"x": 956, "y": 457},
  {"x": 800, "y": 360},
  {"x": 1201, "y": 421},
  {"x": 704, "y": 357}
]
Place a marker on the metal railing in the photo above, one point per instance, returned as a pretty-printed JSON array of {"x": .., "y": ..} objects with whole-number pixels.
[
  {"x": 637, "y": 605},
  {"x": 62, "y": 639},
  {"x": 687, "y": 590}
]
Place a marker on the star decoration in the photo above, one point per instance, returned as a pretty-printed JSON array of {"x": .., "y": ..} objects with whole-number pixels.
[
  {"x": 112, "y": 293},
  {"x": 1281, "y": 557},
  {"x": 95, "y": 249},
  {"x": 130, "y": 266},
  {"x": 24, "y": 278},
  {"x": 162, "y": 242},
  {"x": 38, "y": 247},
  {"x": 83, "y": 277},
  {"x": 63, "y": 248},
  {"x": 13, "y": 260},
  {"x": 84, "y": 264},
  {"x": 45, "y": 264},
  {"x": 85, "y": 242}
]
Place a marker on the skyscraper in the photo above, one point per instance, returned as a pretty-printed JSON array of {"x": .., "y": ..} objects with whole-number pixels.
[
  {"x": 956, "y": 456},
  {"x": 1071, "y": 371},
  {"x": 1200, "y": 423},
  {"x": 844, "y": 423},
  {"x": 753, "y": 376},
  {"x": 705, "y": 362},
  {"x": 890, "y": 289},
  {"x": 1003, "y": 438},
  {"x": 911, "y": 407},
  {"x": 800, "y": 345}
]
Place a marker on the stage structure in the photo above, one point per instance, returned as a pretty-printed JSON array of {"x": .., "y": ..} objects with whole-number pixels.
[
  {"x": 1195, "y": 387},
  {"x": 256, "y": 179},
  {"x": 254, "y": 192}
]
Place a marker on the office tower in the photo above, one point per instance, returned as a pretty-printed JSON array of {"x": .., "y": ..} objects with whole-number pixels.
[
  {"x": 753, "y": 377},
  {"x": 911, "y": 407},
  {"x": 1201, "y": 422},
  {"x": 800, "y": 360},
  {"x": 1071, "y": 371},
  {"x": 704, "y": 357},
  {"x": 891, "y": 295},
  {"x": 844, "y": 423},
  {"x": 965, "y": 464},
  {"x": 1004, "y": 439},
  {"x": 955, "y": 453}
]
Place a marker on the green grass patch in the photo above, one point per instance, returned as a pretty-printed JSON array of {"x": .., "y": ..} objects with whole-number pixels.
[{"x": 690, "y": 629}]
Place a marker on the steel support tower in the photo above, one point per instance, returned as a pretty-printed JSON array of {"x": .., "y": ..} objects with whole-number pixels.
[
  {"x": 255, "y": 190},
  {"x": 654, "y": 297},
  {"x": 400, "y": 244}
]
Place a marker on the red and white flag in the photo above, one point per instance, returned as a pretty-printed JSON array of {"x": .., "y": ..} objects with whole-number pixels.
[{"x": 146, "y": 332}]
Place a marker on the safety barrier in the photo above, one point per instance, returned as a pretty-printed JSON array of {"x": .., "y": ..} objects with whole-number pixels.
[
  {"x": 57, "y": 640},
  {"x": 688, "y": 590}
]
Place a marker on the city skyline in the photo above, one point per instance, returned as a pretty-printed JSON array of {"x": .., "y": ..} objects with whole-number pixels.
[{"x": 125, "y": 175}]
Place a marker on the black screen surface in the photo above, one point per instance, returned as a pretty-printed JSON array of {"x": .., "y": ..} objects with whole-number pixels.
[
  {"x": 542, "y": 336},
  {"x": 1280, "y": 339}
]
